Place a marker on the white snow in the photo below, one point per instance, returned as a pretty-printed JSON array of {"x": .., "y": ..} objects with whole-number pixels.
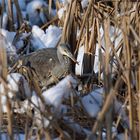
[
  {"x": 64, "y": 2},
  {"x": 84, "y": 3},
  {"x": 74, "y": 126},
  {"x": 121, "y": 136},
  {"x": 5, "y": 136},
  {"x": 56, "y": 94},
  {"x": 53, "y": 34},
  {"x": 9, "y": 36},
  {"x": 80, "y": 57},
  {"x": 4, "y": 20},
  {"x": 5, "y": 41},
  {"x": 40, "y": 120},
  {"x": 53, "y": 97},
  {"x": 17, "y": 81},
  {"x": 115, "y": 37},
  {"x": 37, "y": 102},
  {"x": 35, "y": 10},
  {"x": 120, "y": 110},
  {"x": 11, "y": 44},
  {"x": 22, "y": 4},
  {"x": 48, "y": 39},
  {"x": 18, "y": 88},
  {"x": 93, "y": 102},
  {"x": 60, "y": 13},
  {"x": 39, "y": 107}
]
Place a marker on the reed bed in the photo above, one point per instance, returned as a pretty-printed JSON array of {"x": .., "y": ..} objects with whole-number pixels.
[{"x": 118, "y": 71}]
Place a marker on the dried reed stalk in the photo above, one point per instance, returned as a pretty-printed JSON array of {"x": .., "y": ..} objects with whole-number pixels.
[
  {"x": 49, "y": 23},
  {"x": 19, "y": 14},
  {"x": 50, "y": 6},
  {"x": 89, "y": 20},
  {"x": 107, "y": 76},
  {"x": 83, "y": 24},
  {"x": 139, "y": 89},
  {"x": 66, "y": 23},
  {"x": 138, "y": 79},
  {"x": 70, "y": 23},
  {"x": 3, "y": 64},
  {"x": 128, "y": 75},
  {"x": 108, "y": 102},
  {"x": 10, "y": 15},
  {"x": 2, "y": 11}
]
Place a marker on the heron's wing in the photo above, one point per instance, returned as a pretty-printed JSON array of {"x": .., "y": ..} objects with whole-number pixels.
[
  {"x": 56, "y": 73},
  {"x": 42, "y": 62},
  {"x": 41, "y": 57}
]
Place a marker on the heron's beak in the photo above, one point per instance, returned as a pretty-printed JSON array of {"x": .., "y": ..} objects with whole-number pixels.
[{"x": 70, "y": 55}]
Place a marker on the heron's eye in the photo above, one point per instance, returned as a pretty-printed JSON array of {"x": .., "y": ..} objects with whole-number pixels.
[
  {"x": 64, "y": 50},
  {"x": 38, "y": 10}
]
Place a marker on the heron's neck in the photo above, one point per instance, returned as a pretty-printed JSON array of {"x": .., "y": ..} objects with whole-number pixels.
[{"x": 64, "y": 60}]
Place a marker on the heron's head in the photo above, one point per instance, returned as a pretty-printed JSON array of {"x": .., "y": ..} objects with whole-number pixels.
[{"x": 64, "y": 49}]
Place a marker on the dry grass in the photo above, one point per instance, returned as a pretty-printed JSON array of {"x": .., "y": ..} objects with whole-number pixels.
[{"x": 121, "y": 71}]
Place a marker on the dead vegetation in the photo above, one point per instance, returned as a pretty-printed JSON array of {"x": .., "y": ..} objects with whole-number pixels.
[{"x": 118, "y": 70}]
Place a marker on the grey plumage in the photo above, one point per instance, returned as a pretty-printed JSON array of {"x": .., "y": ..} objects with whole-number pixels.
[{"x": 50, "y": 64}]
